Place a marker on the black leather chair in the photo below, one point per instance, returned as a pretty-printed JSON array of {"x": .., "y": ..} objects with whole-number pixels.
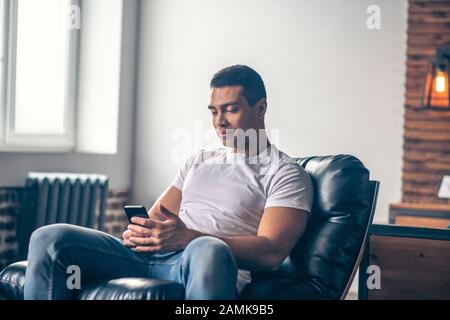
[{"x": 321, "y": 266}]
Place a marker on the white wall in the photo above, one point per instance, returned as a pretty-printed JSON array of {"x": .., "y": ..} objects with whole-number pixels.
[
  {"x": 333, "y": 85},
  {"x": 99, "y": 76},
  {"x": 14, "y": 165}
]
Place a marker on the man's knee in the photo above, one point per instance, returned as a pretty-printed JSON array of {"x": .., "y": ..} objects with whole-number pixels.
[
  {"x": 210, "y": 249},
  {"x": 53, "y": 236}
]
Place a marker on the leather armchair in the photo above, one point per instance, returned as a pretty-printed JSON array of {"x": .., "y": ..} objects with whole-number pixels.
[{"x": 321, "y": 266}]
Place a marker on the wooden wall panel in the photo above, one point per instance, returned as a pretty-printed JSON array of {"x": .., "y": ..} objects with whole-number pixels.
[{"x": 426, "y": 148}]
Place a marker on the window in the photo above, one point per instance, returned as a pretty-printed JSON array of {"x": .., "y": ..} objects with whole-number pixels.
[
  {"x": 58, "y": 86},
  {"x": 39, "y": 46}
]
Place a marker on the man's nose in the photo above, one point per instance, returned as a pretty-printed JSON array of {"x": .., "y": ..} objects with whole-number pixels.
[{"x": 221, "y": 120}]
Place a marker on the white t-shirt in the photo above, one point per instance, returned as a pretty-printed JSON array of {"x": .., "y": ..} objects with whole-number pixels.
[{"x": 225, "y": 193}]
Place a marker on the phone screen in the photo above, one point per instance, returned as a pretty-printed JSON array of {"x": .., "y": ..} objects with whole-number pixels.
[{"x": 135, "y": 211}]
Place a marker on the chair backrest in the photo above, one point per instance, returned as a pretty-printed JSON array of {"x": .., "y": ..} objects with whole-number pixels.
[{"x": 329, "y": 252}]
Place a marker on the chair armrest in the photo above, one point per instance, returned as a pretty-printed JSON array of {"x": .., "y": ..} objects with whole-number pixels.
[{"x": 12, "y": 280}]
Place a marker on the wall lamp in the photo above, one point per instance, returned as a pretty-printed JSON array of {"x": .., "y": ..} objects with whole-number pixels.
[{"x": 435, "y": 95}]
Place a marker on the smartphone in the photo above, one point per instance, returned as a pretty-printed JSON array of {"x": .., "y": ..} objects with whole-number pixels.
[{"x": 135, "y": 211}]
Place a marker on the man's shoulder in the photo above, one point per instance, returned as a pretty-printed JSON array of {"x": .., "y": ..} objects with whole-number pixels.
[
  {"x": 282, "y": 158},
  {"x": 291, "y": 166},
  {"x": 287, "y": 165}
]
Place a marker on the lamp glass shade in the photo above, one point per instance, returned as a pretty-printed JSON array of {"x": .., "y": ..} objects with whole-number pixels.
[{"x": 436, "y": 90}]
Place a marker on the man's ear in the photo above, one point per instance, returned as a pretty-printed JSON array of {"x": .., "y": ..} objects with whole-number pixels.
[{"x": 261, "y": 107}]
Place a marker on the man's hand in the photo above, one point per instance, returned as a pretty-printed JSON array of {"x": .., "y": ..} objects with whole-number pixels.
[
  {"x": 126, "y": 237},
  {"x": 150, "y": 235}
]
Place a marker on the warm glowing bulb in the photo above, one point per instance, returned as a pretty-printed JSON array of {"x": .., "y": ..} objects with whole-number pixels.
[{"x": 440, "y": 82}]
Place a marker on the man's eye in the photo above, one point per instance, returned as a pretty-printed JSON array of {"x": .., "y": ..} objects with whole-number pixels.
[
  {"x": 214, "y": 113},
  {"x": 232, "y": 110}
]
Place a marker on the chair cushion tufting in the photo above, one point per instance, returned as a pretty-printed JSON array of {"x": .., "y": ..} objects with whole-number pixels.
[{"x": 133, "y": 289}]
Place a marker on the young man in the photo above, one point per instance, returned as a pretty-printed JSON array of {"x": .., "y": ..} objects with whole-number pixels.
[{"x": 239, "y": 208}]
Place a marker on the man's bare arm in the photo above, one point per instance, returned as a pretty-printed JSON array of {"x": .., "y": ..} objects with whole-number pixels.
[
  {"x": 279, "y": 230},
  {"x": 170, "y": 198}
]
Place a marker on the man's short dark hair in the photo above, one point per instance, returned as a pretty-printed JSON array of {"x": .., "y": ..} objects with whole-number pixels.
[{"x": 241, "y": 75}]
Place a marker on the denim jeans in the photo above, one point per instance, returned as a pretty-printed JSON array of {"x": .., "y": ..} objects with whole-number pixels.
[{"x": 206, "y": 267}]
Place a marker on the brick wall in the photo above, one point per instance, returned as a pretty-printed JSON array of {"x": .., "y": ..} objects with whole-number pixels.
[
  {"x": 426, "y": 148},
  {"x": 115, "y": 218},
  {"x": 10, "y": 209},
  {"x": 10, "y": 199}
]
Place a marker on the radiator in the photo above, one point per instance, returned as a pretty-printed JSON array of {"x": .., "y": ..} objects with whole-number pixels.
[{"x": 78, "y": 199}]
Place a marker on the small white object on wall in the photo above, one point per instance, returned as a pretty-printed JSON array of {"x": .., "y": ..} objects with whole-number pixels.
[{"x": 444, "y": 190}]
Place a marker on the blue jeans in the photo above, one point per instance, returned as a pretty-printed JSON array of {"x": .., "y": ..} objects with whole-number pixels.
[{"x": 206, "y": 267}]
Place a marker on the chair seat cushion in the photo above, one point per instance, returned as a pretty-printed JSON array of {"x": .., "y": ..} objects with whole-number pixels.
[{"x": 133, "y": 289}]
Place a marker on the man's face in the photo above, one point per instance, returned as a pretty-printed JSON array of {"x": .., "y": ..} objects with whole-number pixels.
[{"x": 230, "y": 111}]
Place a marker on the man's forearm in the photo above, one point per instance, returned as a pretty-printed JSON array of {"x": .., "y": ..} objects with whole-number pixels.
[{"x": 251, "y": 252}]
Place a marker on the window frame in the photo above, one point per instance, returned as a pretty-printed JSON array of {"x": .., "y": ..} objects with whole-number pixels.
[
  {"x": 3, "y": 65},
  {"x": 11, "y": 141}
]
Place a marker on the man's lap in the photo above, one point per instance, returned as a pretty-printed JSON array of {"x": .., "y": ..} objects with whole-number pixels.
[
  {"x": 98, "y": 253},
  {"x": 101, "y": 256}
]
